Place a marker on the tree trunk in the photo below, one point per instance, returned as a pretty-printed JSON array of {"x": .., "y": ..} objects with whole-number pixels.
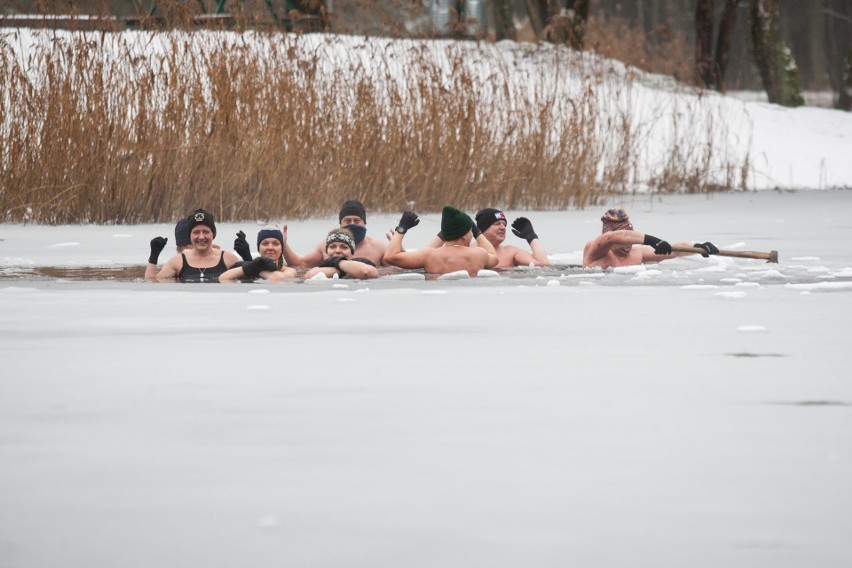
[
  {"x": 844, "y": 100},
  {"x": 536, "y": 20},
  {"x": 704, "y": 72},
  {"x": 723, "y": 44},
  {"x": 504, "y": 15},
  {"x": 578, "y": 15},
  {"x": 773, "y": 58}
]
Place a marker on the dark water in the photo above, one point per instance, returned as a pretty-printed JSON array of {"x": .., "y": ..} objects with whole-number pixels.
[{"x": 749, "y": 273}]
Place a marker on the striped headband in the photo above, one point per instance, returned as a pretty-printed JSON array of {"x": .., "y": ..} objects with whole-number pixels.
[{"x": 340, "y": 238}]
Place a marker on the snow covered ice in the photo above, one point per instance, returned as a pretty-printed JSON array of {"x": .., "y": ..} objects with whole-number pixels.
[
  {"x": 695, "y": 413},
  {"x": 692, "y": 413}
]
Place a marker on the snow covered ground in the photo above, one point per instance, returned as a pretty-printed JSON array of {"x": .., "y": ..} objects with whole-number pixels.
[
  {"x": 692, "y": 413},
  {"x": 803, "y": 148}
]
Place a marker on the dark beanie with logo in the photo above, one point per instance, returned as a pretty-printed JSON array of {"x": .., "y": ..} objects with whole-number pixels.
[
  {"x": 454, "y": 223},
  {"x": 487, "y": 217},
  {"x": 353, "y": 207},
  {"x": 202, "y": 217}
]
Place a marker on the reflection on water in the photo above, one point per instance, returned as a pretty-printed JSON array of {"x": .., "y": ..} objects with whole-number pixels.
[{"x": 122, "y": 273}]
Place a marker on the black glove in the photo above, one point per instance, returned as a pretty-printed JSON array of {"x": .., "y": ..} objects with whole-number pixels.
[
  {"x": 241, "y": 246},
  {"x": 333, "y": 262},
  {"x": 408, "y": 220},
  {"x": 708, "y": 247},
  {"x": 524, "y": 229},
  {"x": 474, "y": 228},
  {"x": 661, "y": 247},
  {"x": 252, "y": 269},
  {"x": 157, "y": 246}
]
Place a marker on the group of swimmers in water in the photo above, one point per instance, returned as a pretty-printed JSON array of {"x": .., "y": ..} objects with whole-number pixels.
[{"x": 463, "y": 244}]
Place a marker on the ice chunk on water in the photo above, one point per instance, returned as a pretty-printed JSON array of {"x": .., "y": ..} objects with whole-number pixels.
[
  {"x": 261, "y": 291},
  {"x": 731, "y": 295},
  {"x": 457, "y": 275},
  {"x": 769, "y": 275},
  {"x": 405, "y": 276},
  {"x": 698, "y": 287},
  {"x": 629, "y": 269},
  {"x": 257, "y": 308},
  {"x": 822, "y": 286},
  {"x": 553, "y": 282},
  {"x": 487, "y": 274},
  {"x": 751, "y": 329}
]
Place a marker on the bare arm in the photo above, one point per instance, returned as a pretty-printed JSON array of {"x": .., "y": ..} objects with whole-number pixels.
[
  {"x": 312, "y": 258},
  {"x": 169, "y": 271},
  {"x": 397, "y": 256},
  {"x": 484, "y": 244},
  {"x": 360, "y": 270},
  {"x": 598, "y": 247}
]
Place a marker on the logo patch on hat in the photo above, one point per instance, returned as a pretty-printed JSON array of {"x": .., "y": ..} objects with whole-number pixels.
[{"x": 199, "y": 217}]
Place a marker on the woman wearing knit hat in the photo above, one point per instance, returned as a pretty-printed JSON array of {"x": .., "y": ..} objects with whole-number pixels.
[
  {"x": 454, "y": 255},
  {"x": 620, "y": 245},
  {"x": 352, "y": 216},
  {"x": 270, "y": 244},
  {"x": 201, "y": 263},
  {"x": 340, "y": 248}
]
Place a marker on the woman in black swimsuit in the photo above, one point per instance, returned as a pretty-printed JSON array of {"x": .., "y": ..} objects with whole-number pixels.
[{"x": 203, "y": 262}]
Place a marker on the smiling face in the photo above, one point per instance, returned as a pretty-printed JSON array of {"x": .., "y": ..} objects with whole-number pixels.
[
  {"x": 496, "y": 233},
  {"x": 339, "y": 249},
  {"x": 352, "y": 220},
  {"x": 201, "y": 237},
  {"x": 270, "y": 248}
]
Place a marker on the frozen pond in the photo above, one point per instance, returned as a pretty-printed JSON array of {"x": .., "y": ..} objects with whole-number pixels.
[{"x": 695, "y": 413}]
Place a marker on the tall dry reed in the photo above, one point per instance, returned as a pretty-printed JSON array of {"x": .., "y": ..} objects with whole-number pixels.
[{"x": 144, "y": 127}]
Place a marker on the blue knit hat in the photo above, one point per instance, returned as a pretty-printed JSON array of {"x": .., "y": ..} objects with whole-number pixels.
[
  {"x": 182, "y": 233},
  {"x": 269, "y": 233}
]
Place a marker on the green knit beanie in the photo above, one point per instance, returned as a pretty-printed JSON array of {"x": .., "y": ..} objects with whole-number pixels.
[{"x": 454, "y": 223}]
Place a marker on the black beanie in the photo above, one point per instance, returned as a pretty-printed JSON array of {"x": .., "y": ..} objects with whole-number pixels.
[
  {"x": 454, "y": 223},
  {"x": 353, "y": 207},
  {"x": 202, "y": 217},
  {"x": 269, "y": 233},
  {"x": 488, "y": 217}
]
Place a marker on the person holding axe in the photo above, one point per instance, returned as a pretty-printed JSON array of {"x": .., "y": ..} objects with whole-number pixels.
[{"x": 620, "y": 245}]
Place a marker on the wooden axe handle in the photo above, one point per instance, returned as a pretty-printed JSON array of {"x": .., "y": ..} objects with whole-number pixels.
[{"x": 771, "y": 256}]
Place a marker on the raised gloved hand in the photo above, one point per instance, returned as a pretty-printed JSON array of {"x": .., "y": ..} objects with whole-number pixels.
[
  {"x": 253, "y": 268},
  {"x": 241, "y": 246},
  {"x": 708, "y": 248},
  {"x": 522, "y": 227},
  {"x": 408, "y": 220},
  {"x": 157, "y": 246},
  {"x": 661, "y": 247},
  {"x": 474, "y": 228}
]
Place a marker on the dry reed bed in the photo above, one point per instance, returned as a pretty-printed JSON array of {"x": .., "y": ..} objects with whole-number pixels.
[{"x": 143, "y": 127}]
